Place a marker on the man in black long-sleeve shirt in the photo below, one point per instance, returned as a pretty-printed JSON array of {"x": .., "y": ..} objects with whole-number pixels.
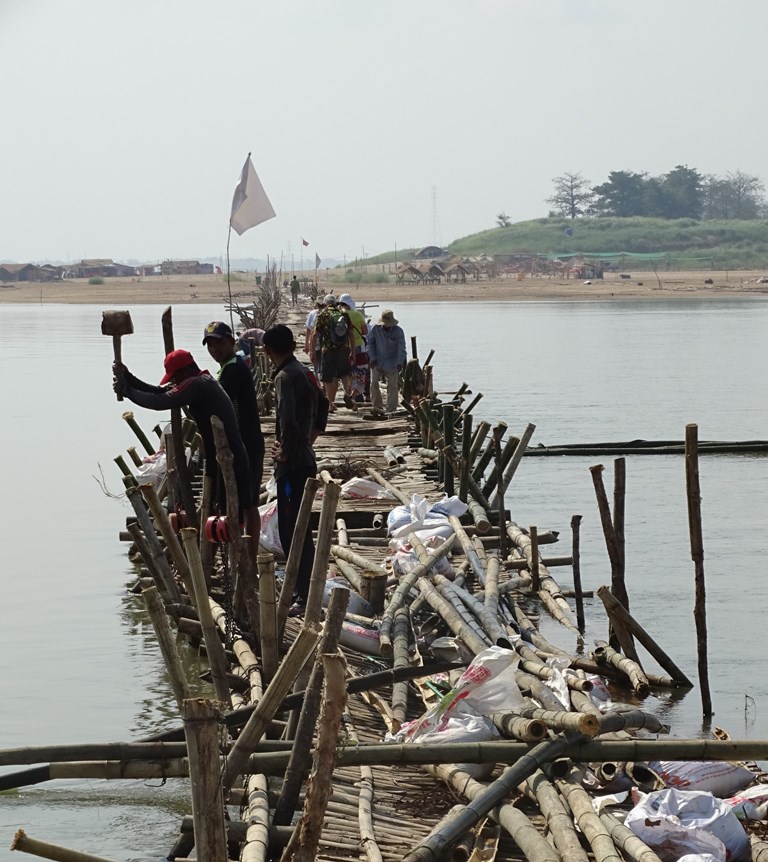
[
  {"x": 204, "y": 397},
  {"x": 302, "y": 413},
  {"x": 237, "y": 382}
]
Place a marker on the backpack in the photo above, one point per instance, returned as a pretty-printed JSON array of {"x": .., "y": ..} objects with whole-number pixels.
[{"x": 338, "y": 329}]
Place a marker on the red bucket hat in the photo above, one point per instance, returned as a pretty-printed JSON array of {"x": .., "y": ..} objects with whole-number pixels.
[{"x": 175, "y": 361}]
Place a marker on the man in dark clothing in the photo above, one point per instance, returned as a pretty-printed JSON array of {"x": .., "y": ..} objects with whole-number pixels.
[
  {"x": 302, "y": 413},
  {"x": 295, "y": 288},
  {"x": 237, "y": 382},
  {"x": 204, "y": 397}
]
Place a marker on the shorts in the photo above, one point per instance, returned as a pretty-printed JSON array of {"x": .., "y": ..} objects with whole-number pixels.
[{"x": 334, "y": 363}]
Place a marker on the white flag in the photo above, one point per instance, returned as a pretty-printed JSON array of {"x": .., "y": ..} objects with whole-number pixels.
[
  {"x": 250, "y": 205},
  {"x": 317, "y": 260}
]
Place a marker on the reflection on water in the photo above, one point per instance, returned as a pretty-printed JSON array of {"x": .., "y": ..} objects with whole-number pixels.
[{"x": 78, "y": 659}]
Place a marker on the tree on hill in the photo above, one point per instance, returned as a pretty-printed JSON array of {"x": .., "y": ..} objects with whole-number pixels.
[
  {"x": 738, "y": 195},
  {"x": 572, "y": 195},
  {"x": 682, "y": 193},
  {"x": 622, "y": 195},
  {"x": 502, "y": 220}
]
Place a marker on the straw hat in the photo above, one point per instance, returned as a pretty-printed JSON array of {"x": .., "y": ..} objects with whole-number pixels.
[{"x": 388, "y": 318}]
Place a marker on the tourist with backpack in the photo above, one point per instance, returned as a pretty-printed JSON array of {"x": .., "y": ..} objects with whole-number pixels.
[{"x": 334, "y": 334}]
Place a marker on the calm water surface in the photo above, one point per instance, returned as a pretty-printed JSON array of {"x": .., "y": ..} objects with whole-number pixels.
[{"x": 78, "y": 662}]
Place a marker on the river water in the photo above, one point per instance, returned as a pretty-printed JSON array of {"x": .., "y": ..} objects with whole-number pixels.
[{"x": 78, "y": 662}]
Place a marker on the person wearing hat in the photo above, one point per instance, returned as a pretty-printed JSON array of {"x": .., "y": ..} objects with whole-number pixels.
[
  {"x": 186, "y": 385},
  {"x": 387, "y": 356},
  {"x": 335, "y": 336},
  {"x": 359, "y": 374},
  {"x": 237, "y": 382},
  {"x": 301, "y": 414}
]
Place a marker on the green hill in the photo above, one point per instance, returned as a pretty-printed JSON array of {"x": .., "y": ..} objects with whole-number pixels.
[
  {"x": 680, "y": 243},
  {"x": 683, "y": 241}
]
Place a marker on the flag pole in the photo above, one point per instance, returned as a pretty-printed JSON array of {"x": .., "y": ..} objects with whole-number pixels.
[
  {"x": 301, "y": 248},
  {"x": 229, "y": 285}
]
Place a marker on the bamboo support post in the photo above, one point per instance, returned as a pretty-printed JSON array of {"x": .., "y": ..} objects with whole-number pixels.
[
  {"x": 167, "y": 643},
  {"x": 35, "y": 847},
  {"x": 373, "y": 588},
  {"x": 125, "y": 469},
  {"x": 466, "y": 445},
  {"x": 478, "y": 438},
  {"x": 533, "y": 532},
  {"x": 586, "y": 819},
  {"x": 615, "y": 609},
  {"x": 140, "y": 435},
  {"x": 485, "y": 457},
  {"x": 134, "y": 456},
  {"x": 331, "y": 494},
  {"x": 561, "y": 721},
  {"x": 201, "y": 730},
  {"x": 169, "y": 536},
  {"x": 301, "y": 752},
  {"x": 161, "y": 576},
  {"x": 499, "y": 459},
  {"x": 500, "y": 508},
  {"x": 693, "y": 491},
  {"x": 307, "y": 836},
  {"x": 404, "y": 587},
  {"x": 206, "y": 548},
  {"x": 637, "y": 679},
  {"x": 517, "y": 457},
  {"x": 341, "y": 533},
  {"x": 153, "y": 543},
  {"x": 576, "y": 562},
  {"x": 213, "y": 645},
  {"x": 448, "y": 436},
  {"x": 294, "y": 555},
  {"x": 289, "y": 669},
  {"x": 267, "y": 615}
]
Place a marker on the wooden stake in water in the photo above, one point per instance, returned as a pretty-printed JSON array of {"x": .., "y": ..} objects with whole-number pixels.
[
  {"x": 697, "y": 555},
  {"x": 578, "y": 595}
]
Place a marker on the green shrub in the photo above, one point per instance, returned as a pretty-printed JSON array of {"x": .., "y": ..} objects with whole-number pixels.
[{"x": 95, "y": 279}]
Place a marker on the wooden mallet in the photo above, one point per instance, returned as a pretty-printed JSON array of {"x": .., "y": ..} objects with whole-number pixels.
[{"x": 117, "y": 324}]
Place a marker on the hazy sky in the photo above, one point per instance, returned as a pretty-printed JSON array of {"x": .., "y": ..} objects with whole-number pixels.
[{"x": 127, "y": 121}]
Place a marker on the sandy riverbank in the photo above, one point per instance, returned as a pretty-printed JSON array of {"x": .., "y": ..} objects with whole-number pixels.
[{"x": 213, "y": 289}]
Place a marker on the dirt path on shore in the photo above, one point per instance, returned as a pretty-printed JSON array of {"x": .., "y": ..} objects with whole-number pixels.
[{"x": 213, "y": 289}]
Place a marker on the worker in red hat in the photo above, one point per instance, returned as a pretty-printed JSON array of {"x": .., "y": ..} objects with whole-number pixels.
[{"x": 184, "y": 384}]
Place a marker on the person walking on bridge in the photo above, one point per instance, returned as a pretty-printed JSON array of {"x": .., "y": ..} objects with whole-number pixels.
[{"x": 387, "y": 356}]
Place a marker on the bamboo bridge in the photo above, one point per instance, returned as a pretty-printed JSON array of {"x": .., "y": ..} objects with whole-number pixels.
[{"x": 285, "y": 755}]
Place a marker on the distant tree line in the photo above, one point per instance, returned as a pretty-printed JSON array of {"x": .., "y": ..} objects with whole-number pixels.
[{"x": 682, "y": 192}]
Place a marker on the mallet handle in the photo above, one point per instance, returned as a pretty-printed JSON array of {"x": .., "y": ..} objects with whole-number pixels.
[{"x": 118, "y": 349}]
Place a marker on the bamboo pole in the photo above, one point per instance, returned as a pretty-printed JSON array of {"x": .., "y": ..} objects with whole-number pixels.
[
  {"x": 637, "y": 679},
  {"x": 393, "y": 489},
  {"x": 466, "y": 446},
  {"x": 533, "y": 532},
  {"x": 693, "y": 490},
  {"x": 449, "y": 614},
  {"x": 301, "y": 752},
  {"x": 478, "y": 515},
  {"x": 469, "y": 551},
  {"x": 589, "y": 823},
  {"x": 304, "y": 848},
  {"x": 557, "y": 720},
  {"x": 616, "y": 609},
  {"x": 92, "y": 751},
  {"x": 257, "y": 819},
  {"x": 201, "y": 729},
  {"x": 161, "y": 575},
  {"x": 169, "y": 536},
  {"x": 140, "y": 435},
  {"x": 431, "y": 848},
  {"x": 488, "y": 620},
  {"x": 516, "y": 458},
  {"x": 759, "y": 849},
  {"x": 558, "y": 818},
  {"x": 331, "y": 493},
  {"x": 504, "y": 457},
  {"x": 404, "y": 587},
  {"x": 576, "y": 558},
  {"x": 179, "y": 452},
  {"x": 400, "y": 638},
  {"x": 167, "y": 643},
  {"x": 23, "y": 842},
  {"x": 206, "y": 548},
  {"x": 267, "y": 615},
  {"x": 491, "y": 597},
  {"x": 448, "y": 436},
  {"x": 261, "y": 716},
  {"x": 155, "y": 548},
  {"x": 632, "y": 847},
  {"x": 213, "y": 645},
  {"x": 294, "y": 555},
  {"x": 134, "y": 456}
]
